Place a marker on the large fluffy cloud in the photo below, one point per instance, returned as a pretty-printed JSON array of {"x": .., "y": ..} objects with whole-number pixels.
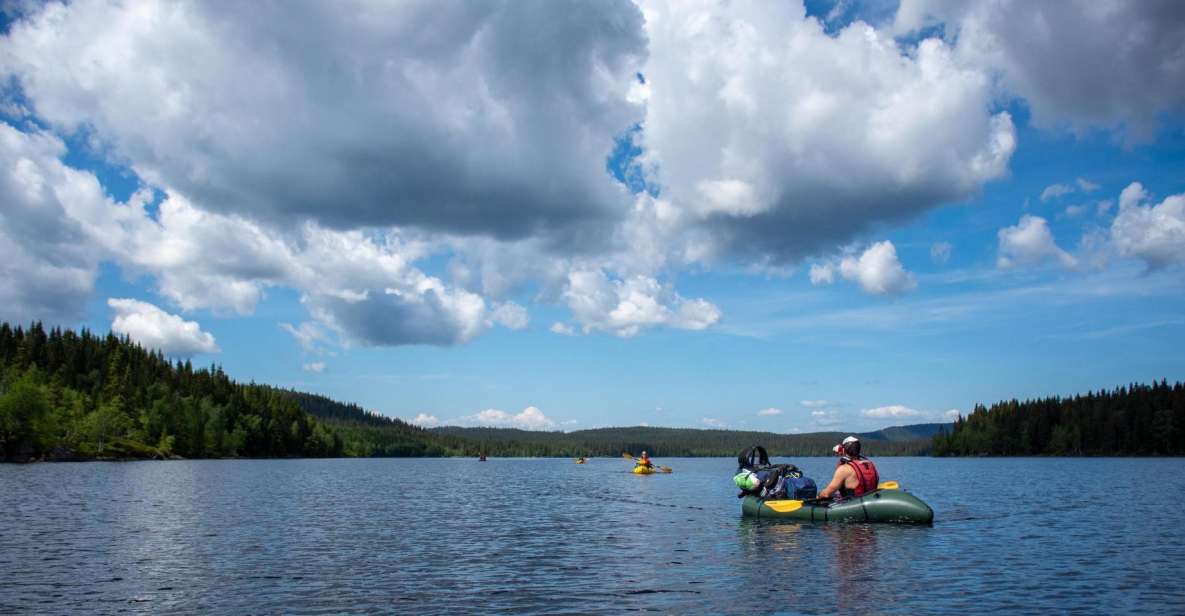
[
  {"x": 154, "y": 328},
  {"x": 352, "y": 114},
  {"x": 363, "y": 285},
  {"x": 1077, "y": 63},
  {"x": 784, "y": 141},
  {"x": 47, "y": 261}
]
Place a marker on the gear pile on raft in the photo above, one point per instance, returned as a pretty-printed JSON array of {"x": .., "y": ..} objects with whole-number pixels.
[{"x": 855, "y": 494}]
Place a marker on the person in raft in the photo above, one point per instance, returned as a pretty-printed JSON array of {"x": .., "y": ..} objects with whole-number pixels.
[
  {"x": 645, "y": 461},
  {"x": 855, "y": 475}
]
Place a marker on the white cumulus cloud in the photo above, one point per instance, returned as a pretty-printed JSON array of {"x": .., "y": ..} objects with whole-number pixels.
[
  {"x": 425, "y": 420},
  {"x": 769, "y": 412},
  {"x": 1153, "y": 233},
  {"x": 154, "y": 328},
  {"x": 317, "y": 366},
  {"x": 779, "y": 140},
  {"x": 893, "y": 411},
  {"x": 626, "y": 307},
  {"x": 530, "y": 418},
  {"x": 1030, "y": 243},
  {"x": 878, "y": 271}
]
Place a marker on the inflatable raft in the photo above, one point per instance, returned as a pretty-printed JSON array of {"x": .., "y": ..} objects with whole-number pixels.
[{"x": 888, "y": 505}]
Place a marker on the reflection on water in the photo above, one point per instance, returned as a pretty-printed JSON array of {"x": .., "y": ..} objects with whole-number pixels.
[{"x": 549, "y": 536}]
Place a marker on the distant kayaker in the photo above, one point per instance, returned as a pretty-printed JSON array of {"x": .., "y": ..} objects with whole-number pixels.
[
  {"x": 645, "y": 461},
  {"x": 855, "y": 475}
]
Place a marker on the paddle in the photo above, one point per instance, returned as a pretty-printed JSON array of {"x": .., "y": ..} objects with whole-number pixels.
[
  {"x": 661, "y": 469},
  {"x": 784, "y": 506},
  {"x": 887, "y": 485}
]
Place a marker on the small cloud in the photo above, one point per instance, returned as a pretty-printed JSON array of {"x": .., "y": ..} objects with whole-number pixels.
[
  {"x": 307, "y": 334},
  {"x": 769, "y": 412},
  {"x": 715, "y": 423},
  {"x": 819, "y": 413},
  {"x": 1054, "y": 191},
  {"x": 1151, "y": 232},
  {"x": 822, "y": 273},
  {"x": 878, "y": 271},
  {"x": 1104, "y": 207},
  {"x": 895, "y": 410},
  {"x": 1086, "y": 185},
  {"x": 317, "y": 366},
  {"x": 952, "y": 414},
  {"x": 1030, "y": 242},
  {"x": 562, "y": 329},
  {"x": 1074, "y": 211},
  {"x": 816, "y": 404},
  {"x": 940, "y": 252},
  {"x": 154, "y": 328},
  {"x": 511, "y": 316},
  {"x": 426, "y": 421},
  {"x": 530, "y": 418}
]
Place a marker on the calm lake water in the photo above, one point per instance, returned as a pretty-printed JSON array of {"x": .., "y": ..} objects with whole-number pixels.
[{"x": 459, "y": 536}]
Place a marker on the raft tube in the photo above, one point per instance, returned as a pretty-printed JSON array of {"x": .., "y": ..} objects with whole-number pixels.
[{"x": 880, "y": 506}]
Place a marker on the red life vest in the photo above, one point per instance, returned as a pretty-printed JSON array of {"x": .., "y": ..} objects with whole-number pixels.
[{"x": 865, "y": 473}]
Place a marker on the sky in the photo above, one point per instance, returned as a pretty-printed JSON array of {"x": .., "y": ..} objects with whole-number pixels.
[{"x": 565, "y": 215}]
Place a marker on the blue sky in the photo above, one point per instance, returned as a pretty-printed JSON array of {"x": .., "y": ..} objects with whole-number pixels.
[{"x": 778, "y": 217}]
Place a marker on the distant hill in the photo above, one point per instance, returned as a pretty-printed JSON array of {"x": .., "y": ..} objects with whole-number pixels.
[
  {"x": 369, "y": 434},
  {"x": 686, "y": 442},
  {"x": 910, "y": 433}
]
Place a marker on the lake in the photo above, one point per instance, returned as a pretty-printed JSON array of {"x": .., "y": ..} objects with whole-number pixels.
[{"x": 1015, "y": 535}]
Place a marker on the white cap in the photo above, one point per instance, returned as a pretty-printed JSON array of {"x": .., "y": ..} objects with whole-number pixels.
[{"x": 851, "y": 439}]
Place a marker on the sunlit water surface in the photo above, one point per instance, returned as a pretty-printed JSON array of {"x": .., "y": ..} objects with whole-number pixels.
[{"x": 459, "y": 536}]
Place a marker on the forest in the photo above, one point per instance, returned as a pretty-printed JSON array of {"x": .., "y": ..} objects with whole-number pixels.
[
  {"x": 67, "y": 395},
  {"x": 1136, "y": 420}
]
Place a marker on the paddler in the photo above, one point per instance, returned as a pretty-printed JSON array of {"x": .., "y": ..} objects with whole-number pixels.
[
  {"x": 855, "y": 475},
  {"x": 645, "y": 461}
]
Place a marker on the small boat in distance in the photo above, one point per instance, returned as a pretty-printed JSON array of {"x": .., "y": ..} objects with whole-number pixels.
[{"x": 482, "y": 458}]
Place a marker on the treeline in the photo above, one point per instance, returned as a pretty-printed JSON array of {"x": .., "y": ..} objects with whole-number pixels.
[
  {"x": 78, "y": 395},
  {"x": 683, "y": 442},
  {"x": 1137, "y": 420}
]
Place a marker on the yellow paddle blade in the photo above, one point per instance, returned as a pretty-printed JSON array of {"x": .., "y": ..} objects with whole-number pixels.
[
  {"x": 784, "y": 506},
  {"x": 665, "y": 469},
  {"x": 627, "y": 456},
  {"x": 887, "y": 485}
]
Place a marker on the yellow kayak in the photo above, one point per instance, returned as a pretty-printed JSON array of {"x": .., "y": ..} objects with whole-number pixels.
[{"x": 644, "y": 470}]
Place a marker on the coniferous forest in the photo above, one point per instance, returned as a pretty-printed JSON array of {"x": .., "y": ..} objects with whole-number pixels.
[
  {"x": 1137, "y": 420},
  {"x": 77, "y": 395}
]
